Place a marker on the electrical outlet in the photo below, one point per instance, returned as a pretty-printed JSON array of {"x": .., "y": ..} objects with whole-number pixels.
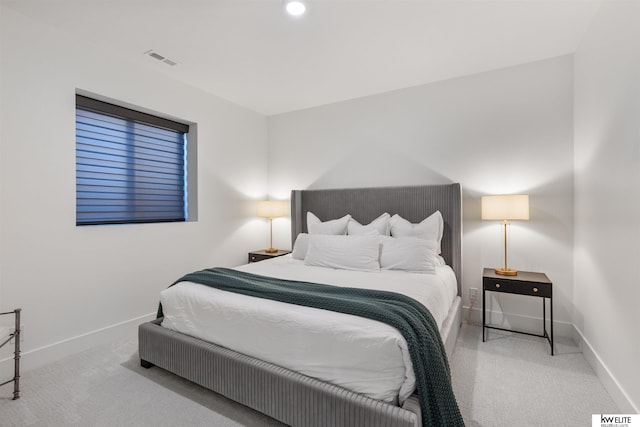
[{"x": 473, "y": 294}]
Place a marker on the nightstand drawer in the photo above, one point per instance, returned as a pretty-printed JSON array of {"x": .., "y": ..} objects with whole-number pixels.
[
  {"x": 532, "y": 289},
  {"x": 258, "y": 257}
]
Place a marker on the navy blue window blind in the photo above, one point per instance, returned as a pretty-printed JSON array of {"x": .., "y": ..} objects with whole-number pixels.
[{"x": 130, "y": 166}]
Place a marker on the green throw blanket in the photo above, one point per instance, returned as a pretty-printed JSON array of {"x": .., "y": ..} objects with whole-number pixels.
[{"x": 412, "y": 319}]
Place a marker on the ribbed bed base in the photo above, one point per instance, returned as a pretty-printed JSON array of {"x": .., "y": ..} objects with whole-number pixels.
[
  {"x": 285, "y": 395},
  {"x": 451, "y": 326}
]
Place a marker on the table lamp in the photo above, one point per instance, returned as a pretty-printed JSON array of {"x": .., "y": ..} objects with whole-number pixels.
[
  {"x": 505, "y": 208},
  {"x": 270, "y": 209}
]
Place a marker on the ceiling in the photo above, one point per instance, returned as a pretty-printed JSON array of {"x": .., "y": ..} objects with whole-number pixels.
[{"x": 253, "y": 54}]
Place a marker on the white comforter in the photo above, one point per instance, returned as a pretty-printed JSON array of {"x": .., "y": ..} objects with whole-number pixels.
[{"x": 359, "y": 354}]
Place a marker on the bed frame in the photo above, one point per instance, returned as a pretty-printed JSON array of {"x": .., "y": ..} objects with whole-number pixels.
[{"x": 289, "y": 396}]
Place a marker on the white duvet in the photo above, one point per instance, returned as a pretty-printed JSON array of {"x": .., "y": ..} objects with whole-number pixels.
[{"x": 359, "y": 354}]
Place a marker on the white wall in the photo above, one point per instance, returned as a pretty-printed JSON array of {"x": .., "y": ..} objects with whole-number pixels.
[
  {"x": 607, "y": 199},
  {"x": 505, "y": 131},
  {"x": 73, "y": 282}
]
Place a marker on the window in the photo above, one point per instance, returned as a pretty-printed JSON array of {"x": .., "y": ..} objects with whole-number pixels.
[{"x": 131, "y": 167}]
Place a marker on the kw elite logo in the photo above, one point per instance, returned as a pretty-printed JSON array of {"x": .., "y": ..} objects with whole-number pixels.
[{"x": 615, "y": 420}]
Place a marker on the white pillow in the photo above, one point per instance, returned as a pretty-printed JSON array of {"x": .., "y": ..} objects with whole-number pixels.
[
  {"x": 409, "y": 254},
  {"x": 379, "y": 226},
  {"x": 344, "y": 252},
  {"x": 300, "y": 246},
  {"x": 431, "y": 228},
  {"x": 334, "y": 226}
]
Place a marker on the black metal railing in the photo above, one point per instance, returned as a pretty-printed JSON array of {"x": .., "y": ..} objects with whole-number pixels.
[{"x": 15, "y": 336}]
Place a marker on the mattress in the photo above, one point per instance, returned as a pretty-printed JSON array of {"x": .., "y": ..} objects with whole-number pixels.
[{"x": 359, "y": 354}]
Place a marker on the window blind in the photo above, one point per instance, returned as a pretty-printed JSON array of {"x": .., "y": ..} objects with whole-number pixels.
[{"x": 130, "y": 166}]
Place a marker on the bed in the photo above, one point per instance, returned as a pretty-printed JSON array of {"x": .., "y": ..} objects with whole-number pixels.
[{"x": 286, "y": 394}]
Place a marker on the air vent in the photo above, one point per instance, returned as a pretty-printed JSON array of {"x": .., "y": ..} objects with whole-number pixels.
[{"x": 156, "y": 55}]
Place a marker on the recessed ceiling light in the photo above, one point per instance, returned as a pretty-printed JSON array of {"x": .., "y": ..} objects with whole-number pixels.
[{"x": 295, "y": 7}]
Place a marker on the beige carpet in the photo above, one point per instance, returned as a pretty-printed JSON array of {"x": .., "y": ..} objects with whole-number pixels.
[
  {"x": 512, "y": 380},
  {"x": 507, "y": 381}
]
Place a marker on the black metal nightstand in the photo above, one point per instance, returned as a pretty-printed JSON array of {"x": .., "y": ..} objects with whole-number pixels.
[
  {"x": 525, "y": 283},
  {"x": 256, "y": 256}
]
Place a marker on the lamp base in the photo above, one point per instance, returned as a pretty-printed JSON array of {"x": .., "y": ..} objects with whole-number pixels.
[
  {"x": 506, "y": 272},
  {"x": 271, "y": 250}
]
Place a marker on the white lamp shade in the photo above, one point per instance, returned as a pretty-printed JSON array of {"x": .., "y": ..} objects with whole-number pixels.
[
  {"x": 505, "y": 207},
  {"x": 270, "y": 208}
]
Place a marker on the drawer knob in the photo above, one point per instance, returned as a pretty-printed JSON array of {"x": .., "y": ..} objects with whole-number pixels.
[
  {"x": 535, "y": 289},
  {"x": 497, "y": 285}
]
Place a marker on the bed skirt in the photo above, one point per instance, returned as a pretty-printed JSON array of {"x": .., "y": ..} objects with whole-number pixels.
[{"x": 280, "y": 393}]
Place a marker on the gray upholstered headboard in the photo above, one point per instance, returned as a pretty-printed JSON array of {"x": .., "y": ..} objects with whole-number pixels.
[{"x": 413, "y": 203}]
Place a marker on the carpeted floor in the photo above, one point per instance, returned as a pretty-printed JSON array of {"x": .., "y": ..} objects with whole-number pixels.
[{"x": 510, "y": 380}]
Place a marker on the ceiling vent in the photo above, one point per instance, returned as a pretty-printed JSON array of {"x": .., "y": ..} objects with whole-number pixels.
[{"x": 157, "y": 56}]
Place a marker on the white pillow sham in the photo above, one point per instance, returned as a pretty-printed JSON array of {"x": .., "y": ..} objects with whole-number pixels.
[
  {"x": 379, "y": 226},
  {"x": 396, "y": 253},
  {"x": 344, "y": 252},
  {"x": 431, "y": 228},
  {"x": 409, "y": 254},
  {"x": 334, "y": 226},
  {"x": 300, "y": 246}
]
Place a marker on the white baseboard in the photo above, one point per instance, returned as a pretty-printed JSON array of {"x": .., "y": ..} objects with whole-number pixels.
[
  {"x": 518, "y": 322},
  {"x": 35, "y": 358},
  {"x": 610, "y": 383}
]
